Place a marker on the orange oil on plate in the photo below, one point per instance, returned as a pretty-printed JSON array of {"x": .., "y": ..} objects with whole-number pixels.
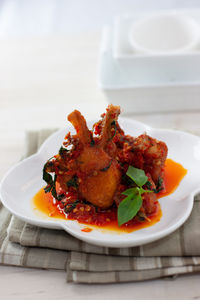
[
  {"x": 174, "y": 173},
  {"x": 44, "y": 203},
  {"x": 86, "y": 229}
]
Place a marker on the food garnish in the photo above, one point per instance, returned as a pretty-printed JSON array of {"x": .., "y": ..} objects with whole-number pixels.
[{"x": 129, "y": 207}]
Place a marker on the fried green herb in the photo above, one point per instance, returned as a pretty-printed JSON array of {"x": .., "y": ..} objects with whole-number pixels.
[
  {"x": 73, "y": 182},
  {"x": 51, "y": 183},
  {"x": 107, "y": 167},
  {"x": 70, "y": 206},
  {"x": 159, "y": 186},
  {"x": 63, "y": 151},
  {"x": 113, "y": 123},
  {"x": 92, "y": 143},
  {"x": 148, "y": 185}
]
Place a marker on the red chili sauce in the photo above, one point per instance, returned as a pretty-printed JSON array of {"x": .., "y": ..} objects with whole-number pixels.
[{"x": 90, "y": 215}]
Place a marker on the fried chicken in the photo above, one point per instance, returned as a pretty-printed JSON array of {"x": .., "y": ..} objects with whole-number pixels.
[
  {"x": 94, "y": 168},
  {"x": 93, "y": 164}
]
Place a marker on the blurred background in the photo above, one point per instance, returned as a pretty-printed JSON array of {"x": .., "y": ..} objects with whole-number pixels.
[
  {"x": 22, "y": 18},
  {"x": 48, "y": 63}
]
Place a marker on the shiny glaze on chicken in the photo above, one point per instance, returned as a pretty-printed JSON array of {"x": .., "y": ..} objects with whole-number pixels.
[{"x": 92, "y": 165}]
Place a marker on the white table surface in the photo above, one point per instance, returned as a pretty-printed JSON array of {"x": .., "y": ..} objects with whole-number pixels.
[{"x": 41, "y": 81}]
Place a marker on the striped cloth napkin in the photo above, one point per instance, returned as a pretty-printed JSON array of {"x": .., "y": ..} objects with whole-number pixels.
[{"x": 25, "y": 245}]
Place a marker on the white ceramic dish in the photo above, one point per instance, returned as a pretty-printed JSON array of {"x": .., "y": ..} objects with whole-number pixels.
[
  {"x": 139, "y": 86},
  {"x": 22, "y": 182},
  {"x": 142, "y": 55},
  {"x": 164, "y": 34},
  {"x": 122, "y": 47}
]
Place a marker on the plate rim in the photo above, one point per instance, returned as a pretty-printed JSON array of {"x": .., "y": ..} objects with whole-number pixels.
[{"x": 57, "y": 224}]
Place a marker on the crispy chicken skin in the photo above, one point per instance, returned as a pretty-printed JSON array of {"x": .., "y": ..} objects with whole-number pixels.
[
  {"x": 154, "y": 154},
  {"x": 93, "y": 164},
  {"x": 99, "y": 184},
  {"x": 144, "y": 152},
  {"x": 97, "y": 171}
]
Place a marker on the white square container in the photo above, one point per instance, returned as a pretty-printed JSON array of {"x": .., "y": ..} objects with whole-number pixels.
[
  {"x": 149, "y": 84},
  {"x": 122, "y": 48}
]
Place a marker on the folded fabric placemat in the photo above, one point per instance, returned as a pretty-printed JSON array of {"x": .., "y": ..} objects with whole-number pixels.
[{"x": 26, "y": 245}]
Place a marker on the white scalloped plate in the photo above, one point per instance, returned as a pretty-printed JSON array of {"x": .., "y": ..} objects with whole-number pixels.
[{"x": 22, "y": 182}]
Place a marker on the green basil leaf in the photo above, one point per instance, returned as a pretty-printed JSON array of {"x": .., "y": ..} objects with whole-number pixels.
[
  {"x": 128, "y": 192},
  {"x": 131, "y": 191},
  {"x": 142, "y": 191},
  {"x": 128, "y": 208},
  {"x": 137, "y": 175}
]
